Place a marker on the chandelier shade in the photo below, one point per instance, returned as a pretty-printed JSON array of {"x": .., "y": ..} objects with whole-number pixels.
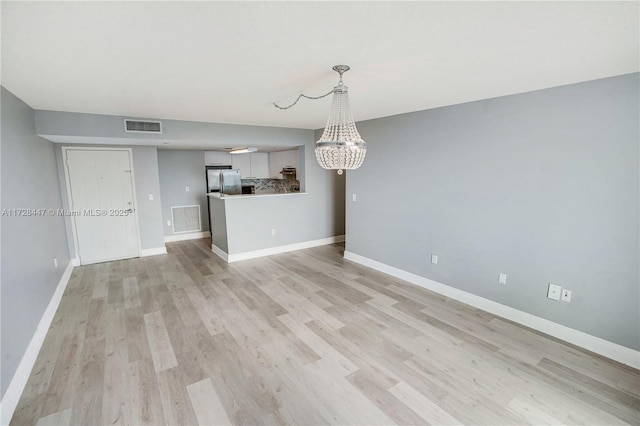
[{"x": 340, "y": 146}]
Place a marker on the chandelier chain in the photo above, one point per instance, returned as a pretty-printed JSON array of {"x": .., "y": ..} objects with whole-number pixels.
[{"x": 302, "y": 95}]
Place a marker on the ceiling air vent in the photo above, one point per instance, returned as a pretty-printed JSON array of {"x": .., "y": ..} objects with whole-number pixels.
[{"x": 140, "y": 126}]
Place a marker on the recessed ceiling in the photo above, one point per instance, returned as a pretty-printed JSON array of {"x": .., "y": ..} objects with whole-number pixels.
[{"x": 227, "y": 62}]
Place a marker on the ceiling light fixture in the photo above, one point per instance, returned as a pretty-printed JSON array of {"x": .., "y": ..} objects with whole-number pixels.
[
  {"x": 242, "y": 150},
  {"x": 340, "y": 146}
]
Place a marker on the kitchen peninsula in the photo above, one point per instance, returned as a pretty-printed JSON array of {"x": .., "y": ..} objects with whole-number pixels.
[{"x": 255, "y": 225}]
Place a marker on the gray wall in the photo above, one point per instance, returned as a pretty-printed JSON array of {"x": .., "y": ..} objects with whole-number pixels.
[
  {"x": 178, "y": 169},
  {"x": 145, "y": 166},
  {"x": 29, "y": 244},
  {"x": 109, "y": 129},
  {"x": 320, "y": 215},
  {"x": 296, "y": 218},
  {"x": 338, "y": 187},
  {"x": 543, "y": 186},
  {"x": 147, "y": 181},
  {"x": 219, "y": 223}
]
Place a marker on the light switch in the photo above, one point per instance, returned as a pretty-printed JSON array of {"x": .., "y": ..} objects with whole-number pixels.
[
  {"x": 353, "y": 197},
  {"x": 554, "y": 291},
  {"x": 186, "y": 188},
  {"x": 502, "y": 279},
  {"x": 434, "y": 259},
  {"x": 150, "y": 197}
]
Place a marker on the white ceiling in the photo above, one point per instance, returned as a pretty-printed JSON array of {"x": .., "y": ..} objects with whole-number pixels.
[{"x": 228, "y": 61}]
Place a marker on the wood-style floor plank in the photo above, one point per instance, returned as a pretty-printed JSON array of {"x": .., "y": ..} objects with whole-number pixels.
[
  {"x": 300, "y": 338},
  {"x": 206, "y": 403},
  {"x": 161, "y": 348}
]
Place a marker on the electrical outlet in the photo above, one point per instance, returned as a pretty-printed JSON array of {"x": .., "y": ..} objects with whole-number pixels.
[
  {"x": 187, "y": 189},
  {"x": 434, "y": 259},
  {"x": 55, "y": 262},
  {"x": 150, "y": 197},
  {"x": 566, "y": 295},
  {"x": 502, "y": 279},
  {"x": 554, "y": 292},
  {"x": 273, "y": 231},
  {"x": 353, "y": 197},
  {"x": 168, "y": 223}
]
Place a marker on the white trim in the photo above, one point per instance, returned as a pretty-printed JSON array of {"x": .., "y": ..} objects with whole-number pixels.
[
  {"x": 592, "y": 343},
  {"x": 220, "y": 253},
  {"x": 20, "y": 377},
  {"x": 70, "y": 198},
  {"x": 189, "y": 236},
  {"x": 153, "y": 251},
  {"x": 275, "y": 250},
  {"x": 75, "y": 261}
]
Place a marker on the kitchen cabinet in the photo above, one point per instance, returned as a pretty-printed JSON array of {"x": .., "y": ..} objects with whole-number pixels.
[
  {"x": 242, "y": 162},
  {"x": 259, "y": 165},
  {"x": 290, "y": 158},
  {"x": 217, "y": 158},
  {"x": 280, "y": 159},
  {"x": 252, "y": 166},
  {"x": 275, "y": 165}
]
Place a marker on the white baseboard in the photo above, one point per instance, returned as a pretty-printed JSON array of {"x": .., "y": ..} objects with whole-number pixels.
[
  {"x": 189, "y": 236},
  {"x": 75, "y": 261},
  {"x": 220, "y": 253},
  {"x": 153, "y": 251},
  {"x": 275, "y": 250},
  {"x": 20, "y": 377},
  {"x": 592, "y": 343}
]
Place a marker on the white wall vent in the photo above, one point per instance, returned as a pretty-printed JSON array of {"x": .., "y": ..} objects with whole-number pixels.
[
  {"x": 185, "y": 219},
  {"x": 142, "y": 126}
]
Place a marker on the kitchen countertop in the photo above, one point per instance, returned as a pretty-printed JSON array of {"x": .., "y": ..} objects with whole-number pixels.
[{"x": 272, "y": 194}]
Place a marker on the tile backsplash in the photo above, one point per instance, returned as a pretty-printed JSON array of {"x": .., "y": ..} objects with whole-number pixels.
[
  {"x": 261, "y": 184},
  {"x": 273, "y": 185}
]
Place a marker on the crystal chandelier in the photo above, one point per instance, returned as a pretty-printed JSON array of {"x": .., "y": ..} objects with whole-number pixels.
[{"x": 340, "y": 146}]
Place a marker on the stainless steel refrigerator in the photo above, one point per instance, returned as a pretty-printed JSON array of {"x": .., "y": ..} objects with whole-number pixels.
[
  {"x": 230, "y": 182},
  {"x": 213, "y": 177},
  {"x": 223, "y": 180}
]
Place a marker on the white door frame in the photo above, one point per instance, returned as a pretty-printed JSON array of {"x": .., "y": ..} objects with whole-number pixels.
[{"x": 70, "y": 200}]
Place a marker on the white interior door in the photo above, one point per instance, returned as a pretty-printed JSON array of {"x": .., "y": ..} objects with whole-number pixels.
[{"x": 102, "y": 201}]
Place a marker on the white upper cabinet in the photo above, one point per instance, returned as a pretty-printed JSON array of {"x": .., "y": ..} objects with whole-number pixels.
[
  {"x": 290, "y": 158},
  {"x": 217, "y": 158},
  {"x": 254, "y": 165},
  {"x": 280, "y": 159},
  {"x": 259, "y": 165},
  {"x": 275, "y": 165},
  {"x": 242, "y": 162}
]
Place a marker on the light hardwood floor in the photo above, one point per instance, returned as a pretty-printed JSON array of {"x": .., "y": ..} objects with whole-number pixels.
[{"x": 301, "y": 338}]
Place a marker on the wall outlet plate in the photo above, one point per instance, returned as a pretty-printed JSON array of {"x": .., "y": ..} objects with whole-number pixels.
[
  {"x": 566, "y": 295},
  {"x": 273, "y": 232},
  {"x": 502, "y": 279},
  {"x": 434, "y": 259},
  {"x": 554, "y": 291},
  {"x": 168, "y": 223}
]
